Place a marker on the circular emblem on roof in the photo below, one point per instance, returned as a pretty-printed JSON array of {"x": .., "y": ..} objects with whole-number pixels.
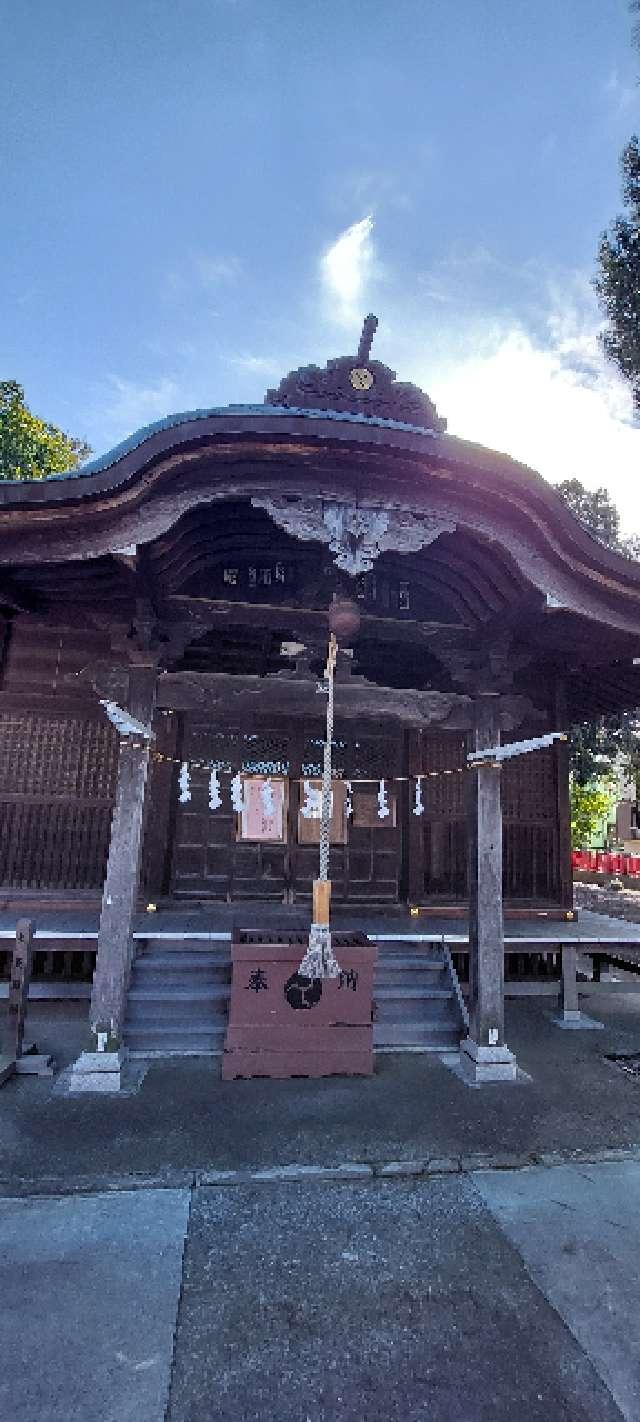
[{"x": 361, "y": 378}]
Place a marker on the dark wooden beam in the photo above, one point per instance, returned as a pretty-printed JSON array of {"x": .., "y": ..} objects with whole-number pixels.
[{"x": 201, "y": 614}]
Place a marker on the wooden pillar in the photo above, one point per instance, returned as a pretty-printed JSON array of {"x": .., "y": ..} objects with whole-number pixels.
[
  {"x": 113, "y": 962},
  {"x": 159, "y": 814},
  {"x": 484, "y": 1056},
  {"x": 570, "y": 999},
  {"x": 19, "y": 985},
  {"x": 563, "y": 758},
  {"x": 414, "y": 823}
]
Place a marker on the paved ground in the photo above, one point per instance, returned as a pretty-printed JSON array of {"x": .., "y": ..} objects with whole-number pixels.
[
  {"x": 590, "y": 1217},
  {"x": 477, "y": 1298},
  {"x": 480, "y": 1295},
  {"x": 89, "y": 1291},
  {"x": 185, "y": 1117}
]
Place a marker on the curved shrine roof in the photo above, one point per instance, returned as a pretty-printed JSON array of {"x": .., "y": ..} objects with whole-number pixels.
[{"x": 384, "y": 448}]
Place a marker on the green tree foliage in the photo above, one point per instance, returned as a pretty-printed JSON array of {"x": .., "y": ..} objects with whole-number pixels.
[
  {"x": 594, "y": 508},
  {"x": 30, "y": 448},
  {"x": 597, "y": 747},
  {"x": 618, "y": 280},
  {"x": 589, "y": 806}
]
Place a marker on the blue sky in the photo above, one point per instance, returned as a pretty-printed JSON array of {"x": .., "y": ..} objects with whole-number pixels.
[{"x": 201, "y": 194}]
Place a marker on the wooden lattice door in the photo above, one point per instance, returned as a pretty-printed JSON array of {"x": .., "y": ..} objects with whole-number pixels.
[
  {"x": 438, "y": 840},
  {"x": 57, "y": 786}
]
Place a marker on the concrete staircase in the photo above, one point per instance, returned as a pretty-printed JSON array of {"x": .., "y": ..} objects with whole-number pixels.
[
  {"x": 418, "y": 1005},
  {"x": 179, "y": 997}
]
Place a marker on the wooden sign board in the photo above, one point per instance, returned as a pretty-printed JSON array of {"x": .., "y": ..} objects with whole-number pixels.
[
  {"x": 254, "y": 822},
  {"x": 309, "y": 830}
]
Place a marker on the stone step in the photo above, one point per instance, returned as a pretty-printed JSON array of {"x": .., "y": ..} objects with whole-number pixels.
[
  {"x": 401, "y": 1014},
  {"x": 181, "y": 944},
  {"x": 417, "y": 953},
  {"x": 178, "y": 1009},
  {"x": 182, "y": 958},
  {"x": 180, "y": 988},
  {"x": 416, "y": 962},
  {"x": 173, "y": 981},
  {"x": 441, "y": 1035},
  {"x": 155, "y": 1030},
  {"x": 174, "y": 1041},
  {"x": 185, "y": 993},
  {"x": 214, "y": 1025},
  {"x": 398, "y": 992},
  {"x": 412, "y": 971},
  {"x": 168, "y": 985}
]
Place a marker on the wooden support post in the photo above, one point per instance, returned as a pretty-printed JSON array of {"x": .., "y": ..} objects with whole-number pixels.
[
  {"x": 113, "y": 963},
  {"x": 570, "y": 1002},
  {"x": 562, "y": 754},
  {"x": 19, "y": 985},
  {"x": 415, "y": 823},
  {"x": 484, "y": 1056},
  {"x": 159, "y": 814},
  {"x": 571, "y": 1015},
  {"x": 33, "y": 1063}
]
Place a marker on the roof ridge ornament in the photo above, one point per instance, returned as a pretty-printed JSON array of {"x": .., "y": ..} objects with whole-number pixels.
[
  {"x": 369, "y": 328},
  {"x": 357, "y": 385}
]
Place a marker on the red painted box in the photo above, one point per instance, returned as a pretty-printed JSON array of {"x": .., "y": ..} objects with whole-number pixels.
[{"x": 282, "y": 1025}]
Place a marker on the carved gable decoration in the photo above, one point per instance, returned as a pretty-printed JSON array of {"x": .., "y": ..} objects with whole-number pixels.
[
  {"x": 356, "y": 534},
  {"x": 357, "y": 385}
]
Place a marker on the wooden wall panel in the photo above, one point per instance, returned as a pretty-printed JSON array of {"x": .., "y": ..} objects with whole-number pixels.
[
  {"x": 42, "y": 659},
  {"x": 531, "y": 868},
  {"x": 57, "y": 785},
  {"x": 58, "y": 760}
]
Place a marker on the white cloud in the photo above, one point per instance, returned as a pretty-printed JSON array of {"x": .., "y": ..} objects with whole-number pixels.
[
  {"x": 126, "y": 405},
  {"x": 529, "y": 380},
  {"x": 257, "y": 365},
  {"x": 345, "y": 268},
  {"x": 557, "y": 407},
  {"x": 200, "y": 270},
  {"x": 621, "y": 96},
  {"x": 213, "y": 271}
]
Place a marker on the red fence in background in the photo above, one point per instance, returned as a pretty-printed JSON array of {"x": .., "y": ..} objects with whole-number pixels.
[{"x": 603, "y": 862}]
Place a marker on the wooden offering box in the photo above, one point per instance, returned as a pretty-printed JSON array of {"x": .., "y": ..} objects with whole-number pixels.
[{"x": 282, "y": 1025}]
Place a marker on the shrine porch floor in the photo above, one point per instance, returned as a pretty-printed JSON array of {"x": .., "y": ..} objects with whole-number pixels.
[{"x": 386, "y": 922}]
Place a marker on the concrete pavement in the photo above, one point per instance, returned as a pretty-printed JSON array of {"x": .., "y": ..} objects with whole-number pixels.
[
  {"x": 577, "y": 1230},
  {"x": 89, "y": 1290},
  {"x": 472, "y": 1298},
  {"x": 185, "y": 1118}
]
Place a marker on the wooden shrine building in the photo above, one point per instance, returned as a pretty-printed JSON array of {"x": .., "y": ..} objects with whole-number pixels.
[{"x": 189, "y": 576}]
